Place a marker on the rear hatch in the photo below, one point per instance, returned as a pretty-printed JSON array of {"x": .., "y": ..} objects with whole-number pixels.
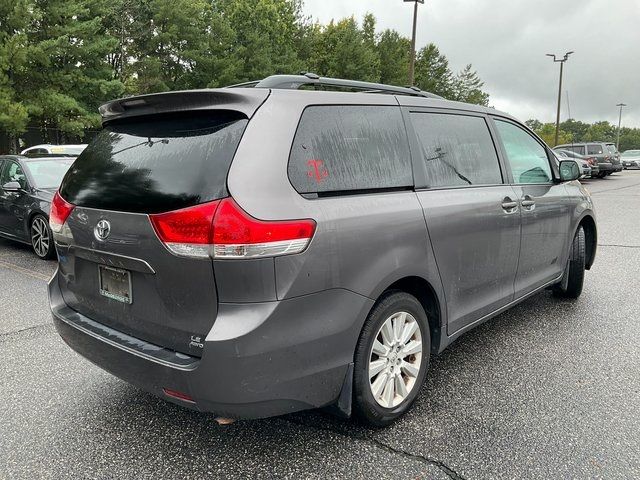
[{"x": 113, "y": 267}]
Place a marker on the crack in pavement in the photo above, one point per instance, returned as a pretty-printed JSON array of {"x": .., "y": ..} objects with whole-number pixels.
[
  {"x": 450, "y": 472},
  {"x": 4, "y": 337},
  {"x": 614, "y": 189},
  {"x": 25, "y": 271},
  {"x": 617, "y": 245}
]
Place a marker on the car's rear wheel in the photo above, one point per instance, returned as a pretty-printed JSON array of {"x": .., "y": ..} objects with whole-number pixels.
[
  {"x": 391, "y": 359},
  {"x": 41, "y": 238},
  {"x": 573, "y": 279}
]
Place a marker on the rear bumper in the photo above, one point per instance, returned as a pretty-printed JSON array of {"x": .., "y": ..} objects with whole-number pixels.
[
  {"x": 259, "y": 360},
  {"x": 605, "y": 167}
]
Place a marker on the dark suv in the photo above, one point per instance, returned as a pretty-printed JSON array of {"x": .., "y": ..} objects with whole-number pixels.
[
  {"x": 605, "y": 154},
  {"x": 260, "y": 250}
]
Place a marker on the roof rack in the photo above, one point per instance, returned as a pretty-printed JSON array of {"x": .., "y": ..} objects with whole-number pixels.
[{"x": 294, "y": 82}]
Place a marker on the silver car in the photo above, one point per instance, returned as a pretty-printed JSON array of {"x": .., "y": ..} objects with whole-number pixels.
[
  {"x": 631, "y": 159},
  {"x": 265, "y": 249}
]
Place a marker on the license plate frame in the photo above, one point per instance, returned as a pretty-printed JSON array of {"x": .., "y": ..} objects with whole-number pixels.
[{"x": 115, "y": 283}]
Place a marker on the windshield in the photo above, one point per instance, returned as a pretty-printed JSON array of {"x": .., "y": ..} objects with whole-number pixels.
[
  {"x": 631, "y": 153},
  {"x": 48, "y": 173}
]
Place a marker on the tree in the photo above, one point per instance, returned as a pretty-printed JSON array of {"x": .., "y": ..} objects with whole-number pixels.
[
  {"x": 14, "y": 18},
  {"x": 577, "y": 129},
  {"x": 467, "y": 87},
  {"x": 547, "y": 132},
  {"x": 533, "y": 124},
  {"x": 393, "y": 51},
  {"x": 600, "y": 132},
  {"x": 346, "y": 51},
  {"x": 433, "y": 73}
]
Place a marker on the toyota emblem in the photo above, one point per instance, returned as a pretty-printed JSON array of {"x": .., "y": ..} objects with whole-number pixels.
[{"x": 102, "y": 230}]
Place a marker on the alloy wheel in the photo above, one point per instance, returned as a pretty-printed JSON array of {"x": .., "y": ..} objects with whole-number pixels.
[
  {"x": 40, "y": 238},
  {"x": 394, "y": 360}
]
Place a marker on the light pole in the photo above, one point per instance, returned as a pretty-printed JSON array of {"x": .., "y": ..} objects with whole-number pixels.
[
  {"x": 561, "y": 61},
  {"x": 621, "y": 105},
  {"x": 412, "y": 61}
]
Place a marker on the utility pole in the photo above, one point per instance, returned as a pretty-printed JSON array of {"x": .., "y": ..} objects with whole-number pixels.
[
  {"x": 621, "y": 105},
  {"x": 412, "y": 60},
  {"x": 561, "y": 61}
]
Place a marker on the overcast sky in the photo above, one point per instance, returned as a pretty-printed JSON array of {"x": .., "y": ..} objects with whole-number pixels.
[{"x": 506, "y": 41}]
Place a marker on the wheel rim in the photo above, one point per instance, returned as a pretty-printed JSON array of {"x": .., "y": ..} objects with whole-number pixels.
[
  {"x": 394, "y": 360},
  {"x": 40, "y": 238}
]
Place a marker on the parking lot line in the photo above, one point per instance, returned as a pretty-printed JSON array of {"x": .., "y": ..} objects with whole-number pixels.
[{"x": 24, "y": 271}]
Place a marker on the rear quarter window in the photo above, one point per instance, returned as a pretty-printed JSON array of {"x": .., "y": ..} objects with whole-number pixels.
[
  {"x": 156, "y": 164},
  {"x": 350, "y": 148}
]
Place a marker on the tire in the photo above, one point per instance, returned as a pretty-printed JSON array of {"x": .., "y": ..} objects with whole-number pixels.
[
  {"x": 398, "y": 308},
  {"x": 41, "y": 238},
  {"x": 573, "y": 279}
]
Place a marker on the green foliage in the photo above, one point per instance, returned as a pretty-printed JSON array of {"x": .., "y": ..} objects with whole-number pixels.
[
  {"x": 432, "y": 72},
  {"x": 393, "y": 51},
  {"x": 576, "y": 131},
  {"x": 467, "y": 87},
  {"x": 547, "y": 131},
  {"x": 61, "y": 59}
]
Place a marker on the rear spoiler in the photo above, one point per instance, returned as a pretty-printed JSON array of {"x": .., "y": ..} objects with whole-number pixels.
[{"x": 243, "y": 100}]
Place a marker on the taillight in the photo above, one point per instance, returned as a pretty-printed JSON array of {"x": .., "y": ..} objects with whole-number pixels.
[
  {"x": 221, "y": 229},
  {"x": 60, "y": 211},
  {"x": 187, "y": 232}
]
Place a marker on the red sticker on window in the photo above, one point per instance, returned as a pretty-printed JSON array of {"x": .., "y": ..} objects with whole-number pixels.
[{"x": 317, "y": 170}]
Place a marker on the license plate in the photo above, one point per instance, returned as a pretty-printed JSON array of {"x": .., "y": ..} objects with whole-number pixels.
[{"x": 115, "y": 283}]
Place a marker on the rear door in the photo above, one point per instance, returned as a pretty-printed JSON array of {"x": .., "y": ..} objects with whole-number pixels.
[
  {"x": 544, "y": 207},
  {"x": 472, "y": 216},
  {"x": 13, "y": 204},
  {"x": 113, "y": 267}
]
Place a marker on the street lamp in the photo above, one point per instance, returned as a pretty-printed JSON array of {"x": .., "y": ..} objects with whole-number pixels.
[
  {"x": 412, "y": 61},
  {"x": 621, "y": 105},
  {"x": 561, "y": 61}
]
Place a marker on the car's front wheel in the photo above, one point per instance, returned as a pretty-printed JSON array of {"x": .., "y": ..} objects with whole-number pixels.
[
  {"x": 391, "y": 359},
  {"x": 573, "y": 279},
  {"x": 41, "y": 237}
]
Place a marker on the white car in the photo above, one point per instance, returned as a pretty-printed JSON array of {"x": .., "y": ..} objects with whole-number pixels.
[
  {"x": 630, "y": 159},
  {"x": 55, "y": 149}
]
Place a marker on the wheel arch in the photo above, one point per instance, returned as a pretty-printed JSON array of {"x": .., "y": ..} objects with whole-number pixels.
[
  {"x": 588, "y": 223},
  {"x": 428, "y": 298}
]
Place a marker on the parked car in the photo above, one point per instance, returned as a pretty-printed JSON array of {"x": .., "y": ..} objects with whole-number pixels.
[
  {"x": 613, "y": 151},
  {"x": 583, "y": 165},
  {"x": 608, "y": 162},
  {"x": 591, "y": 161},
  {"x": 49, "y": 149},
  {"x": 27, "y": 186},
  {"x": 261, "y": 250},
  {"x": 631, "y": 159}
]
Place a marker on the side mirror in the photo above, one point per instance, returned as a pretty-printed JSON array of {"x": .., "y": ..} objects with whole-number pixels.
[
  {"x": 12, "y": 187},
  {"x": 569, "y": 170}
]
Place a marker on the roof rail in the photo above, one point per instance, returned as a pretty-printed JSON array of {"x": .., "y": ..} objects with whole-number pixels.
[{"x": 294, "y": 82}]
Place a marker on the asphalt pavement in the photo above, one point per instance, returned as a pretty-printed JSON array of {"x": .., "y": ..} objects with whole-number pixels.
[{"x": 550, "y": 389}]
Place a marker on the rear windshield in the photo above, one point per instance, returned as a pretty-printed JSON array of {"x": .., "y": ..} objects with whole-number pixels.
[
  {"x": 154, "y": 165},
  {"x": 611, "y": 148},
  {"x": 595, "y": 150}
]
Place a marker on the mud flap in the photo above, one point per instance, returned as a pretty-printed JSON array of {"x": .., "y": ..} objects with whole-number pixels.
[{"x": 342, "y": 407}]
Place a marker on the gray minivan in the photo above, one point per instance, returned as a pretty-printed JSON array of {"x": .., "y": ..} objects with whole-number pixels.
[{"x": 261, "y": 250}]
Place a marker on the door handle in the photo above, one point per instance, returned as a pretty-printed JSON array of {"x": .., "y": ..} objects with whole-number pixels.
[
  {"x": 528, "y": 203},
  {"x": 509, "y": 206}
]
